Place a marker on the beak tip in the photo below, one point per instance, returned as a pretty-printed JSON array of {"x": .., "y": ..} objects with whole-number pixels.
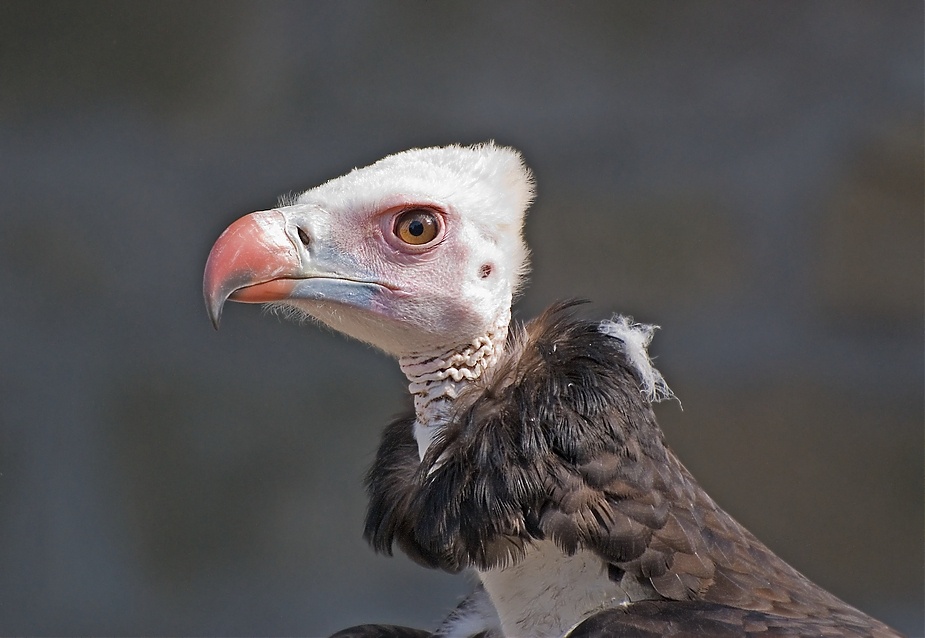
[{"x": 214, "y": 309}]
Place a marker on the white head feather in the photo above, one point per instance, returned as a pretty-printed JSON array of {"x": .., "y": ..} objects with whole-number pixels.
[{"x": 458, "y": 290}]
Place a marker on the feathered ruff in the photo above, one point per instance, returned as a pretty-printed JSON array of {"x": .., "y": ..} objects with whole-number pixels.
[{"x": 557, "y": 441}]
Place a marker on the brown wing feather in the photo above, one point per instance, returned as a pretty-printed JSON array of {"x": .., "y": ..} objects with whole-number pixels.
[{"x": 699, "y": 619}]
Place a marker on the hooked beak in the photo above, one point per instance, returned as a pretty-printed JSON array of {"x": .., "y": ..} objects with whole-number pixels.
[
  {"x": 261, "y": 258},
  {"x": 253, "y": 261}
]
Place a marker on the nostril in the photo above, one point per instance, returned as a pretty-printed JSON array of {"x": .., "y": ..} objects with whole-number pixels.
[{"x": 304, "y": 238}]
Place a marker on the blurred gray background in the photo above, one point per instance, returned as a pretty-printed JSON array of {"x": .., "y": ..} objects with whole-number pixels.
[{"x": 747, "y": 175}]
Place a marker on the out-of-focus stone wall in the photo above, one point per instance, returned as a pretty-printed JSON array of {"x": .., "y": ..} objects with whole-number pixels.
[{"x": 747, "y": 175}]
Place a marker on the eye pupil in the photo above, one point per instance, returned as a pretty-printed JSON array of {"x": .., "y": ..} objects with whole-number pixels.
[{"x": 416, "y": 228}]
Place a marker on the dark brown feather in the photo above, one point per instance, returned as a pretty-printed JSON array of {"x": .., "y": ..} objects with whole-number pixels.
[
  {"x": 381, "y": 631},
  {"x": 558, "y": 442}
]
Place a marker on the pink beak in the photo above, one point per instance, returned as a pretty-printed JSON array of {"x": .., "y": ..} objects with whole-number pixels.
[{"x": 253, "y": 261}]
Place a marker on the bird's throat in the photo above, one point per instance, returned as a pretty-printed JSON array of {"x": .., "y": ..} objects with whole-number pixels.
[{"x": 436, "y": 378}]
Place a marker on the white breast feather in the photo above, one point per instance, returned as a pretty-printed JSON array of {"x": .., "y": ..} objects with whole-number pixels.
[{"x": 547, "y": 593}]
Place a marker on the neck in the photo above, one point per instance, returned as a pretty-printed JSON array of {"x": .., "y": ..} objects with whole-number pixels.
[{"x": 436, "y": 378}]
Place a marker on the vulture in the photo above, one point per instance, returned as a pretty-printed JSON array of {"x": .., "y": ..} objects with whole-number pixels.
[{"x": 530, "y": 453}]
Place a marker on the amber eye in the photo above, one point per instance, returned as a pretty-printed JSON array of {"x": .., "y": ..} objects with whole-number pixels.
[{"x": 417, "y": 226}]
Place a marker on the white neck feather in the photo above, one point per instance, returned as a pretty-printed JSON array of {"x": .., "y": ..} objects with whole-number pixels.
[{"x": 437, "y": 377}]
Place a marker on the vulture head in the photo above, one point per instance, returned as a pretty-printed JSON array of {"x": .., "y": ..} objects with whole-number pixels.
[{"x": 419, "y": 254}]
